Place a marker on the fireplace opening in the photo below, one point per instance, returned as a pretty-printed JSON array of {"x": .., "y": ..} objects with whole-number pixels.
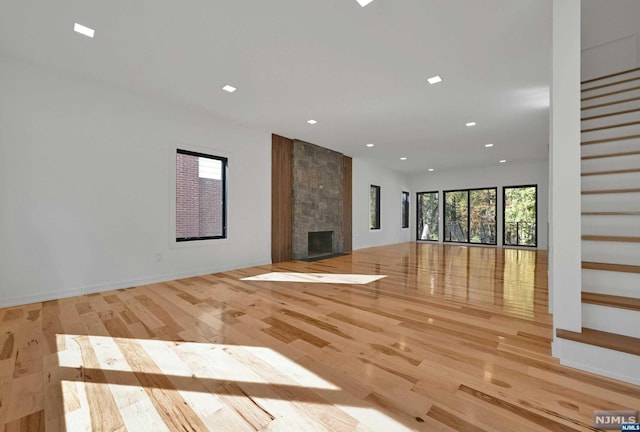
[{"x": 320, "y": 243}]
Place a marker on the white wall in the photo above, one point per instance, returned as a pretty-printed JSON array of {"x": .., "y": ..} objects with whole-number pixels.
[
  {"x": 508, "y": 174},
  {"x": 564, "y": 172},
  {"x": 86, "y": 188},
  {"x": 391, "y": 185},
  {"x": 610, "y": 36}
]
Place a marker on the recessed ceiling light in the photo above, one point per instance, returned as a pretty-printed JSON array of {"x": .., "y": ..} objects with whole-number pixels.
[
  {"x": 403, "y": 158},
  {"x": 229, "y": 88},
  {"x": 370, "y": 145},
  {"x": 431, "y": 169},
  {"x": 503, "y": 161},
  {"x": 363, "y": 3},
  {"x": 312, "y": 121},
  {"x": 488, "y": 145},
  {"x": 470, "y": 124},
  {"x": 434, "y": 80},
  {"x": 79, "y": 28}
]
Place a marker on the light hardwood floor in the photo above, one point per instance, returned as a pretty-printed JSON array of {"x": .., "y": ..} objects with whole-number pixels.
[{"x": 453, "y": 338}]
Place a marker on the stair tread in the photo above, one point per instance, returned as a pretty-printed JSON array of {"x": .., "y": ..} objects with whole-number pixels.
[
  {"x": 611, "y": 213},
  {"x": 619, "y": 171},
  {"x": 610, "y": 191},
  {"x": 610, "y": 114},
  {"x": 610, "y": 84},
  {"x": 608, "y": 155},
  {"x": 611, "y": 93},
  {"x": 610, "y": 75},
  {"x": 622, "y": 239},
  {"x": 623, "y": 268},
  {"x": 620, "y": 101},
  {"x": 602, "y": 339},
  {"x": 611, "y": 300},
  {"x": 606, "y": 140},
  {"x": 617, "y": 125}
]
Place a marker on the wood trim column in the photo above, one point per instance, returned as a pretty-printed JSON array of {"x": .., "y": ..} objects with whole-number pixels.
[
  {"x": 347, "y": 203},
  {"x": 281, "y": 198}
]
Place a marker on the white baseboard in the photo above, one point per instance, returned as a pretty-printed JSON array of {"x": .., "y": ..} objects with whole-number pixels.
[{"x": 109, "y": 286}]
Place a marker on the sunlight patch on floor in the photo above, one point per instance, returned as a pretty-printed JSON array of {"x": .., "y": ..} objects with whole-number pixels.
[
  {"x": 355, "y": 279},
  {"x": 248, "y": 366},
  {"x": 196, "y": 360}
]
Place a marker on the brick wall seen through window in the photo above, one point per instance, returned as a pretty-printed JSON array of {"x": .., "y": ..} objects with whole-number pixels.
[{"x": 200, "y": 196}]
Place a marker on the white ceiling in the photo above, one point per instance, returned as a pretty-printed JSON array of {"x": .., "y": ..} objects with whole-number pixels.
[{"x": 360, "y": 72}]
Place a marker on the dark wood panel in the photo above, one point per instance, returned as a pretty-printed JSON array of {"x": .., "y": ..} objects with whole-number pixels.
[
  {"x": 347, "y": 189},
  {"x": 281, "y": 173}
]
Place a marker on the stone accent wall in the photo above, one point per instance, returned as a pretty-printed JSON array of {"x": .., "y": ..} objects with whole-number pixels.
[{"x": 317, "y": 196}]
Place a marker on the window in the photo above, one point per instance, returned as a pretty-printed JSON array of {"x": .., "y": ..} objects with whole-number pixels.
[
  {"x": 201, "y": 196},
  {"x": 428, "y": 216},
  {"x": 374, "y": 208},
  {"x": 483, "y": 209},
  {"x": 470, "y": 216},
  {"x": 520, "y": 215},
  {"x": 405, "y": 209},
  {"x": 456, "y": 216}
]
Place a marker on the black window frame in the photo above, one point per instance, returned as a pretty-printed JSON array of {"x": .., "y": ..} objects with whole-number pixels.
[
  {"x": 406, "y": 196},
  {"x": 376, "y": 209},
  {"x": 224, "y": 175},
  {"x": 504, "y": 220},
  {"x": 444, "y": 213},
  {"x": 418, "y": 206}
]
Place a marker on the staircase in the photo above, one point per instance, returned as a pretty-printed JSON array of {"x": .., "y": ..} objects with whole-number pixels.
[{"x": 610, "y": 339}]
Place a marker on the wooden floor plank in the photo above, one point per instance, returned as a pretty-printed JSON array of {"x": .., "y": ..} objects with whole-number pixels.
[{"x": 453, "y": 338}]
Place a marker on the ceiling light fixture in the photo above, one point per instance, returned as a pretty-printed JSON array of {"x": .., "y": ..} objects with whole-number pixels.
[
  {"x": 370, "y": 145},
  {"x": 312, "y": 121},
  {"x": 83, "y": 30},
  {"x": 503, "y": 161},
  {"x": 431, "y": 169},
  {"x": 488, "y": 145},
  {"x": 470, "y": 124},
  {"x": 229, "y": 88},
  {"x": 403, "y": 158},
  {"x": 363, "y": 3},
  {"x": 434, "y": 80}
]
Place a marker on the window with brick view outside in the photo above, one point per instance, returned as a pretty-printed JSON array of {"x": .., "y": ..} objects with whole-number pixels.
[{"x": 200, "y": 196}]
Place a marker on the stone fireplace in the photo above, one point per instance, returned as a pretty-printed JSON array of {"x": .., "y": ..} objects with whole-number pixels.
[{"x": 317, "y": 201}]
